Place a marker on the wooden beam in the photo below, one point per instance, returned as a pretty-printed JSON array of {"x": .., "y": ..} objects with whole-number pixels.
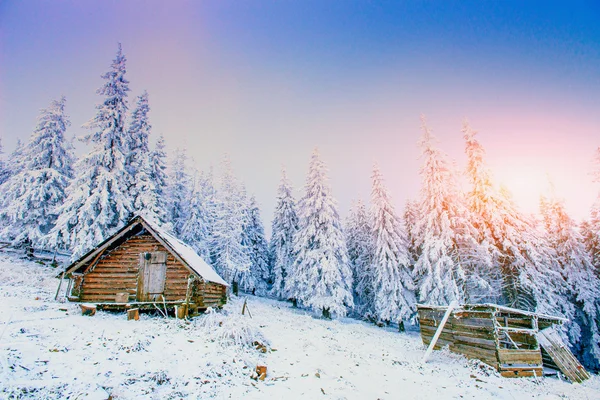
[{"x": 439, "y": 330}]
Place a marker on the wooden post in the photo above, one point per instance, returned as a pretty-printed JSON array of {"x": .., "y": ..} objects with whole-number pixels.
[
  {"x": 439, "y": 330},
  {"x": 134, "y": 314},
  {"x": 62, "y": 278}
]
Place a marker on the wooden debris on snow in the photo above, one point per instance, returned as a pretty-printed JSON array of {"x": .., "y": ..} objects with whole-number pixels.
[
  {"x": 88, "y": 309},
  {"x": 133, "y": 314}
]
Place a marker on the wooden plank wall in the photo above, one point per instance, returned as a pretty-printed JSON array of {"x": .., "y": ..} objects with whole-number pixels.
[
  {"x": 117, "y": 271},
  {"x": 472, "y": 332}
]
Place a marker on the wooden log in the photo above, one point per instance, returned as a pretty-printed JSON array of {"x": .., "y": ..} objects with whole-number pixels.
[
  {"x": 261, "y": 371},
  {"x": 181, "y": 311},
  {"x": 507, "y": 356},
  {"x": 133, "y": 314},
  {"x": 88, "y": 309}
]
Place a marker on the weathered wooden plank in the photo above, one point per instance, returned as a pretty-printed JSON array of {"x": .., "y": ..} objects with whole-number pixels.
[
  {"x": 508, "y": 356},
  {"x": 562, "y": 356}
]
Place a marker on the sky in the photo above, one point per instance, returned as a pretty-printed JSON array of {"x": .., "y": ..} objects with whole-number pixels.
[{"x": 268, "y": 81}]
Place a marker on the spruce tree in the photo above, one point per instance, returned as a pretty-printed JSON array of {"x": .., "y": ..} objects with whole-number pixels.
[
  {"x": 320, "y": 278},
  {"x": 158, "y": 176},
  {"x": 284, "y": 228},
  {"x": 394, "y": 289},
  {"x": 360, "y": 243},
  {"x": 179, "y": 196},
  {"x": 99, "y": 202},
  {"x": 196, "y": 228},
  {"x": 3, "y": 168},
  {"x": 583, "y": 286},
  {"x": 33, "y": 195},
  {"x": 137, "y": 161},
  {"x": 253, "y": 239},
  {"x": 439, "y": 273},
  {"x": 230, "y": 256},
  {"x": 520, "y": 257}
]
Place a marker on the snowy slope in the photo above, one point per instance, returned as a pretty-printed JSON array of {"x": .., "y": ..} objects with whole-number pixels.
[{"x": 49, "y": 353}]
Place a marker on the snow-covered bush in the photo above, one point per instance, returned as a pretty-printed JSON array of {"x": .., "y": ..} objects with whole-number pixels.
[{"x": 229, "y": 327}]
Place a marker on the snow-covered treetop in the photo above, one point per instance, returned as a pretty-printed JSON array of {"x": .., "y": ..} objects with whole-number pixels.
[{"x": 47, "y": 147}]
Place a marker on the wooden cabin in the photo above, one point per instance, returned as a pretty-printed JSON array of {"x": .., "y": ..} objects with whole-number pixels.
[
  {"x": 515, "y": 342},
  {"x": 142, "y": 266}
]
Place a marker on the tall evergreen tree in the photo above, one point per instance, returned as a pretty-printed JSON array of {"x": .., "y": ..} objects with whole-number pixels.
[
  {"x": 158, "y": 176},
  {"x": 522, "y": 260},
  {"x": 320, "y": 277},
  {"x": 99, "y": 201},
  {"x": 253, "y": 239},
  {"x": 284, "y": 228},
  {"x": 394, "y": 289},
  {"x": 360, "y": 243},
  {"x": 3, "y": 168},
  {"x": 439, "y": 274},
  {"x": 33, "y": 194},
  {"x": 583, "y": 286},
  {"x": 137, "y": 160},
  {"x": 230, "y": 256},
  {"x": 196, "y": 228},
  {"x": 179, "y": 196}
]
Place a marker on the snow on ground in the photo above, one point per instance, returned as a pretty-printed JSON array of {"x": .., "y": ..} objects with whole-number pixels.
[{"x": 48, "y": 350}]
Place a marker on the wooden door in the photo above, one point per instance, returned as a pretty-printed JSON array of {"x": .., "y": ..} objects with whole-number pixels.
[{"x": 152, "y": 275}]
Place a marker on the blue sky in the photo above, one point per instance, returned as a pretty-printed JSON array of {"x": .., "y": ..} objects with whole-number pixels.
[{"x": 267, "y": 81}]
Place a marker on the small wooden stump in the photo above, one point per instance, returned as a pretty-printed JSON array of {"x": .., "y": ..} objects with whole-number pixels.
[
  {"x": 181, "y": 311},
  {"x": 261, "y": 371},
  {"x": 134, "y": 314},
  {"x": 122, "y": 298},
  {"x": 88, "y": 309}
]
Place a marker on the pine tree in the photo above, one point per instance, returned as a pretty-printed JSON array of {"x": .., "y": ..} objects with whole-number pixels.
[
  {"x": 99, "y": 202},
  {"x": 138, "y": 160},
  {"x": 230, "y": 257},
  {"x": 521, "y": 259},
  {"x": 284, "y": 228},
  {"x": 360, "y": 243},
  {"x": 583, "y": 286},
  {"x": 253, "y": 239},
  {"x": 320, "y": 277},
  {"x": 158, "y": 176},
  {"x": 393, "y": 284},
  {"x": 3, "y": 168},
  {"x": 33, "y": 194},
  {"x": 179, "y": 192},
  {"x": 439, "y": 274},
  {"x": 195, "y": 230}
]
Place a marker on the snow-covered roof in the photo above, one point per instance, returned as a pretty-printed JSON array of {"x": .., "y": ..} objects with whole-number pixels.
[
  {"x": 180, "y": 250},
  {"x": 187, "y": 254}
]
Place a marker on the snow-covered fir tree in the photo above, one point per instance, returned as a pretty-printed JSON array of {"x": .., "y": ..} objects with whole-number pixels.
[
  {"x": 33, "y": 194},
  {"x": 582, "y": 283},
  {"x": 179, "y": 195},
  {"x": 3, "y": 168},
  {"x": 439, "y": 274},
  {"x": 230, "y": 257},
  {"x": 255, "y": 280},
  {"x": 158, "y": 176},
  {"x": 99, "y": 202},
  {"x": 320, "y": 278},
  {"x": 393, "y": 286},
  {"x": 360, "y": 243},
  {"x": 411, "y": 208},
  {"x": 141, "y": 186},
  {"x": 196, "y": 229},
  {"x": 520, "y": 257},
  {"x": 591, "y": 228},
  {"x": 284, "y": 228}
]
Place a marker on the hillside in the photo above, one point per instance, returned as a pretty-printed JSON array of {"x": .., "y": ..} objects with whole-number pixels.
[{"x": 50, "y": 351}]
